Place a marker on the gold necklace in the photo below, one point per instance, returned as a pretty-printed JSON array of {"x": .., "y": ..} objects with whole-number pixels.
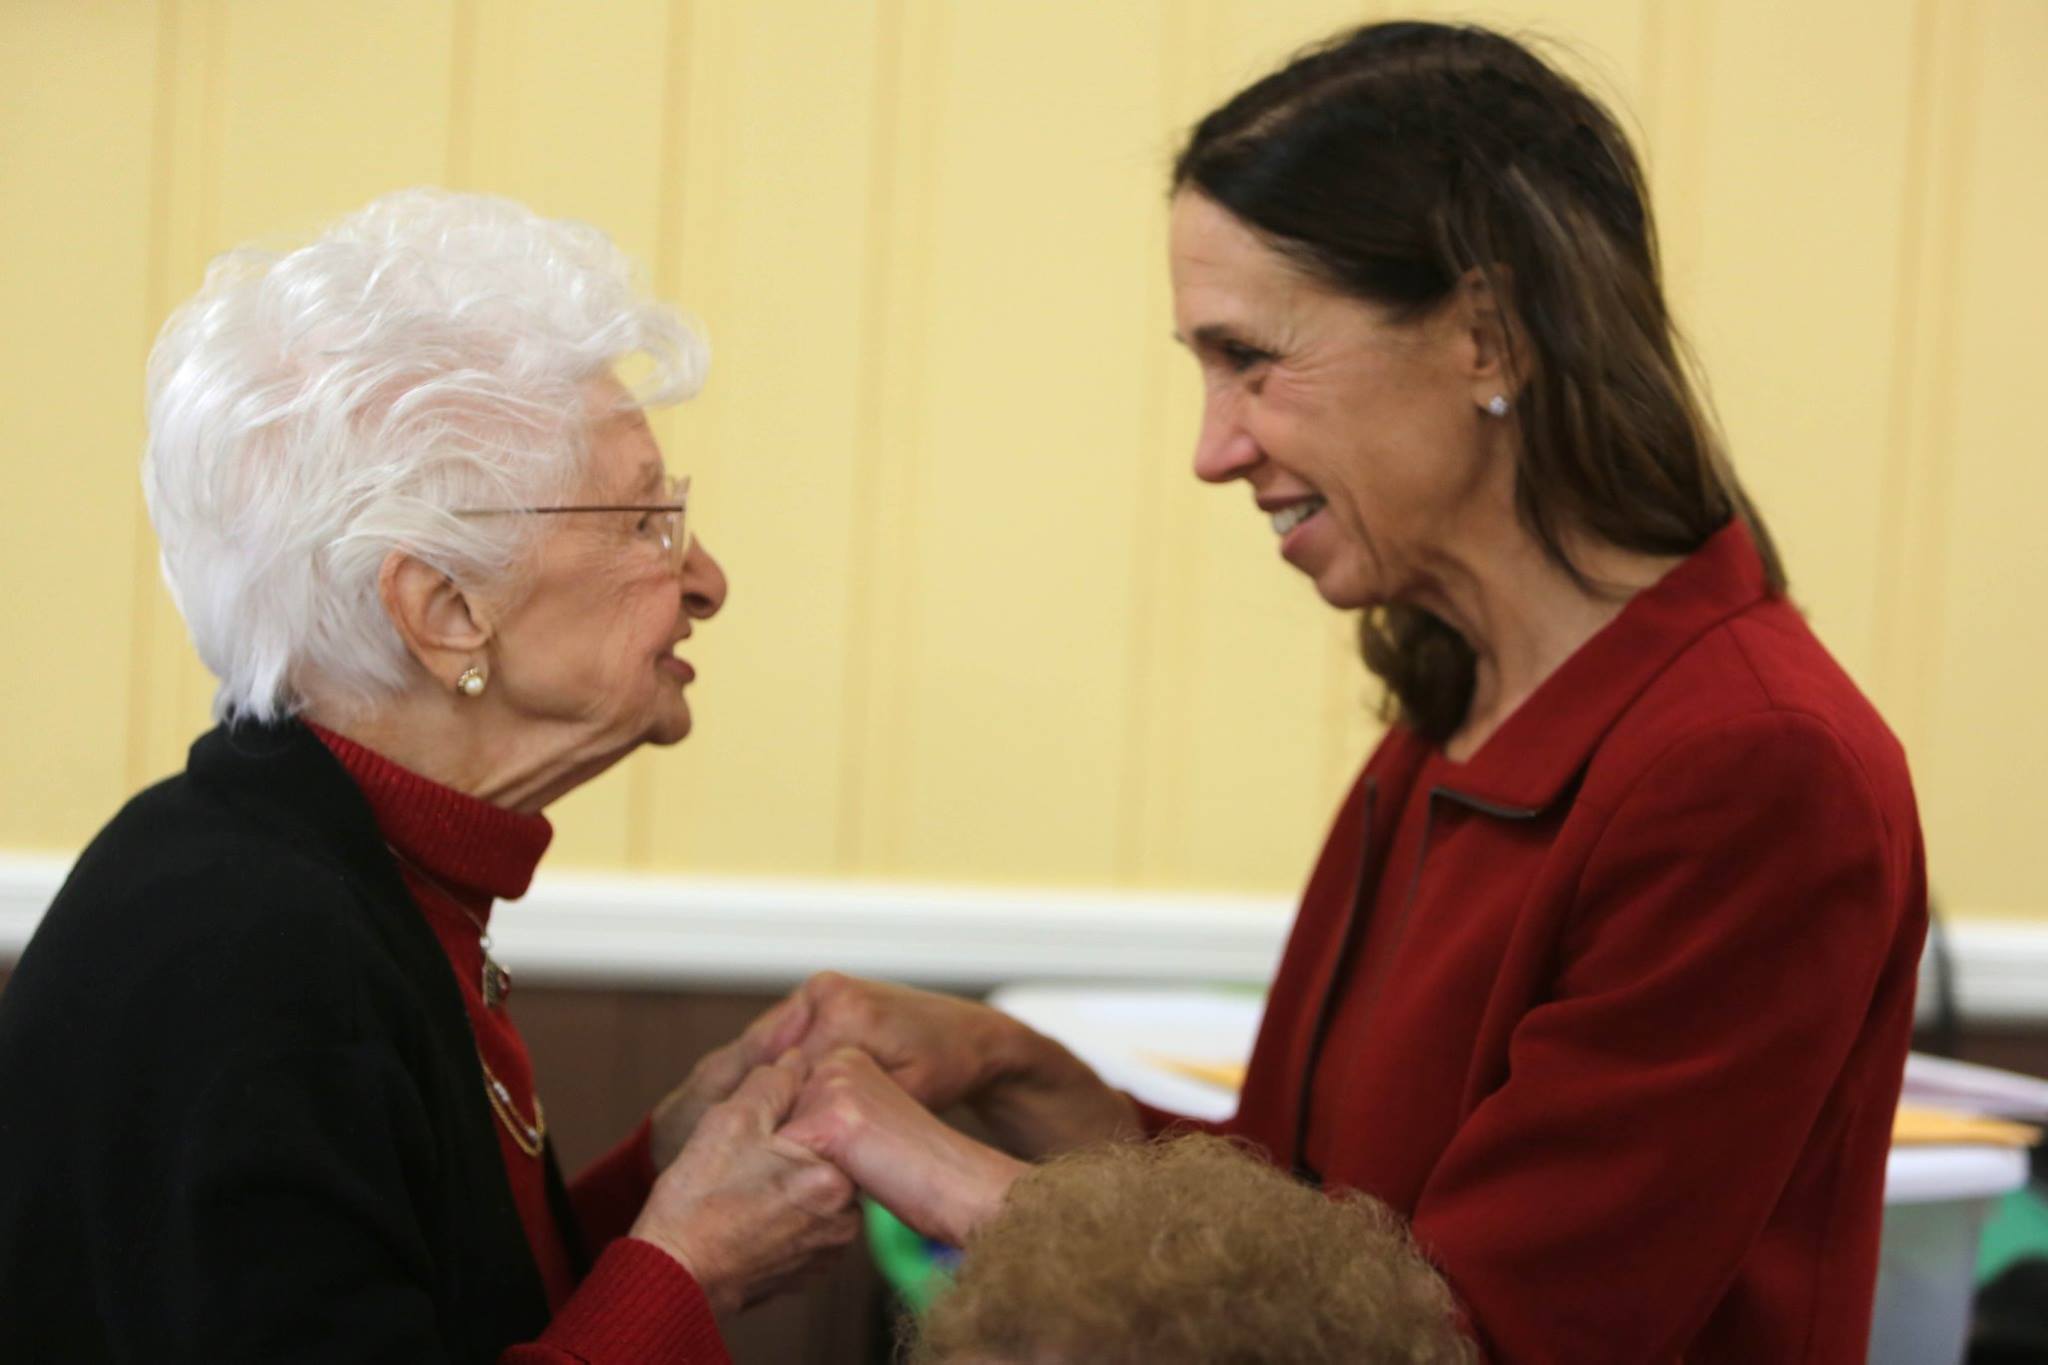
[
  {"x": 529, "y": 1138},
  {"x": 496, "y": 984}
]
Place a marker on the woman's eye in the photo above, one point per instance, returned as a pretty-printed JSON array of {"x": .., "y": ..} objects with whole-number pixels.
[{"x": 1241, "y": 357}]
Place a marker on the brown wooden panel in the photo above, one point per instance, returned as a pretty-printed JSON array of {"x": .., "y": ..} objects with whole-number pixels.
[
  {"x": 602, "y": 1060},
  {"x": 2014, "y": 1047}
]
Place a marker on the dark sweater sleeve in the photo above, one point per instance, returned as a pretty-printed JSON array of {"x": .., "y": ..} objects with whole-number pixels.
[
  {"x": 282, "y": 1199},
  {"x": 287, "y": 1231},
  {"x": 291, "y": 1235}
]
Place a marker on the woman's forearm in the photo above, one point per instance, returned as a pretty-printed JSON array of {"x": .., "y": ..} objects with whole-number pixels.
[
  {"x": 1036, "y": 1097},
  {"x": 1042, "y": 1100}
]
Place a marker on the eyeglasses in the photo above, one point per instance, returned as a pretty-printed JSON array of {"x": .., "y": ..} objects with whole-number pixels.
[{"x": 666, "y": 521}]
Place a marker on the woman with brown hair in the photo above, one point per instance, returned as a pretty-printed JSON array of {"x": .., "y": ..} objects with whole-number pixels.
[{"x": 1604, "y": 978}]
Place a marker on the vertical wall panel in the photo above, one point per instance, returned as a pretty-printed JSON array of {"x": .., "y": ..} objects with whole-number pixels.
[
  {"x": 772, "y": 243},
  {"x": 567, "y": 116},
  {"x": 882, "y": 551},
  {"x": 1028, "y": 418},
  {"x": 1988, "y": 740},
  {"x": 77, "y": 94},
  {"x": 1806, "y": 411},
  {"x": 170, "y": 691},
  {"x": 1245, "y": 749},
  {"x": 1677, "y": 64},
  {"x": 985, "y": 624},
  {"x": 285, "y": 116},
  {"x": 1920, "y": 453}
]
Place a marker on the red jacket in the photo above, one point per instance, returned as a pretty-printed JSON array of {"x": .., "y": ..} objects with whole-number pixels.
[{"x": 1626, "y": 1038}]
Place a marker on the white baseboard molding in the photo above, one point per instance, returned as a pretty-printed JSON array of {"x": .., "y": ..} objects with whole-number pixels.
[{"x": 663, "y": 932}]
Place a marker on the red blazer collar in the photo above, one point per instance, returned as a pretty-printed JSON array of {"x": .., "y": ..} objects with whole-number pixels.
[{"x": 1546, "y": 743}]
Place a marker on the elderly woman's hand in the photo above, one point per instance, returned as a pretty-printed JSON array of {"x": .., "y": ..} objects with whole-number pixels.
[
  {"x": 935, "y": 1178},
  {"x": 718, "y": 1074},
  {"x": 1035, "y": 1096},
  {"x": 940, "y": 1048},
  {"x": 744, "y": 1210}
]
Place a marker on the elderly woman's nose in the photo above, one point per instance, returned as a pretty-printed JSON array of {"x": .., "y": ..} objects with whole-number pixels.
[
  {"x": 703, "y": 582},
  {"x": 1224, "y": 450}
]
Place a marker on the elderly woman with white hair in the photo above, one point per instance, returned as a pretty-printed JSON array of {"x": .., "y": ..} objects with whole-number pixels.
[{"x": 260, "y": 1095}]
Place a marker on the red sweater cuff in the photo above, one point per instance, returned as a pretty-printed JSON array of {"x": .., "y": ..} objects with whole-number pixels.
[
  {"x": 611, "y": 1191},
  {"x": 637, "y": 1305}
]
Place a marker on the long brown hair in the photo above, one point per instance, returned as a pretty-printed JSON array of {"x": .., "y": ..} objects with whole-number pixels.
[{"x": 1393, "y": 161}]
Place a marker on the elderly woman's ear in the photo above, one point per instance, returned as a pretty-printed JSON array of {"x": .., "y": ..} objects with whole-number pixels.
[{"x": 443, "y": 627}]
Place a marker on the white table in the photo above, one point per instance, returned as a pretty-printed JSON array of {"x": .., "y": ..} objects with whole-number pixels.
[{"x": 1936, "y": 1198}]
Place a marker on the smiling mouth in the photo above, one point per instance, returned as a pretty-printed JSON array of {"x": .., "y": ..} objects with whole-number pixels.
[{"x": 1287, "y": 518}]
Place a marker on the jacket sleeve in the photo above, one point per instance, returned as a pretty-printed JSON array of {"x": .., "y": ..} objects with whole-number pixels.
[
  {"x": 1731, "y": 925},
  {"x": 288, "y": 1231}
]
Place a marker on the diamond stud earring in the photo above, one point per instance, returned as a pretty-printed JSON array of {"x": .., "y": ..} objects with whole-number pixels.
[
  {"x": 1498, "y": 405},
  {"x": 471, "y": 683}
]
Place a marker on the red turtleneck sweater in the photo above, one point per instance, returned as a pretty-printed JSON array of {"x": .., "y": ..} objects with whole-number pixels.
[{"x": 458, "y": 855}]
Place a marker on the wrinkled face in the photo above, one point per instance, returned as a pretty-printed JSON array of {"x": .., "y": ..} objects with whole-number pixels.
[
  {"x": 1361, "y": 437},
  {"x": 592, "y": 648}
]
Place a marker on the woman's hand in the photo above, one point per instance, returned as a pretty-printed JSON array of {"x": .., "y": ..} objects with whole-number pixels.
[
  {"x": 744, "y": 1210},
  {"x": 935, "y": 1178},
  {"x": 1036, "y": 1097},
  {"x": 718, "y": 1074}
]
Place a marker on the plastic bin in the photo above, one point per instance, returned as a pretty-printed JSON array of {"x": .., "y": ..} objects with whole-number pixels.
[{"x": 1937, "y": 1200}]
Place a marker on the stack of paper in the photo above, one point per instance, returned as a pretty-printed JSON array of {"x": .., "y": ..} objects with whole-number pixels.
[
  {"x": 1914, "y": 1126},
  {"x": 1944, "y": 1102},
  {"x": 1963, "y": 1087}
]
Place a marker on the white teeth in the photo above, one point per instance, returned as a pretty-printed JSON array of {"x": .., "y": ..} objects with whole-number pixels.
[{"x": 1287, "y": 518}]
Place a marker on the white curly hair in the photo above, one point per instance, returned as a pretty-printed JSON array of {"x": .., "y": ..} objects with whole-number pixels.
[{"x": 311, "y": 411}]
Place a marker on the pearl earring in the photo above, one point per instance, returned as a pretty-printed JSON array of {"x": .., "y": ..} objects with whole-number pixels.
[
  {"x": 471, "y": 683},
  {"x": 1498, "y": 405}
]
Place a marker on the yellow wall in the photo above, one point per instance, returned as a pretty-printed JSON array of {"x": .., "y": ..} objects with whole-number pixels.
[{"x": 984, "y": 625}]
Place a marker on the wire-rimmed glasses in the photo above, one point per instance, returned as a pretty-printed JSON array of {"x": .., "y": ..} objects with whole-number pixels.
[{"x": 667, "y": 521}]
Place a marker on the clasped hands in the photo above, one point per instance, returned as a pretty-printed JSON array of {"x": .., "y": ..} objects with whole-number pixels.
[{"x": 829, "y": 1094}]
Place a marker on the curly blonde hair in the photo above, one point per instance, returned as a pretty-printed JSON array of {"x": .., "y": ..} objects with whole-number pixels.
[{"x": 1189, "y": 1250}]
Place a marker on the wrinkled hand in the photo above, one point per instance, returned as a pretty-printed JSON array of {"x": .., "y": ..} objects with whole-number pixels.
[
  {"x": 1035, "y": 1096},
  {"x": 935, "y": 1178},
  {"x": 718, "y": 1074},
  {"x": 746, "y": 1211},
  {"x": 940, "y": 1048}
]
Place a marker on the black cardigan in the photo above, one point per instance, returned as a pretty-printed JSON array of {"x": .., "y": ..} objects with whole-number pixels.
[{"x": 241, "y": 1112}]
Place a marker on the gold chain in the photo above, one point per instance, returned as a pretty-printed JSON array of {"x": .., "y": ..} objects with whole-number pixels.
[{"x": 529, "y": 1137}]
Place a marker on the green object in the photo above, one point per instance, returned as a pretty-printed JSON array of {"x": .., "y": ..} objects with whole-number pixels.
[
  {"x": 913, "y": 1265},
  {"x": 2018, "y": 1229}
]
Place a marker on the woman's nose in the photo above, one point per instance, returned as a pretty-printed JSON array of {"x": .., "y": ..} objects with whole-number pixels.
[
  {"x": 1224, "y": 450},
  {"x": 703, "y": 581}
]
